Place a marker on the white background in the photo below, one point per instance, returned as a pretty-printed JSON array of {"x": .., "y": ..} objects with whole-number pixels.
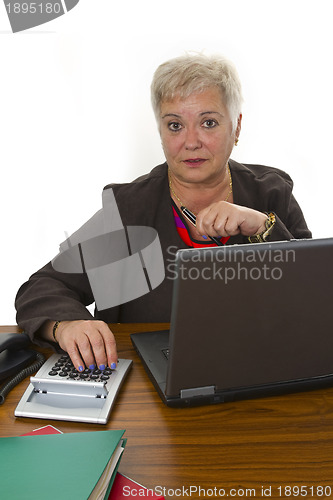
[{"x": 75, "y": 109}]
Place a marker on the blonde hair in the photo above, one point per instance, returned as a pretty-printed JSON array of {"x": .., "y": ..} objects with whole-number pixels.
[{"x": 190, "y": 74}]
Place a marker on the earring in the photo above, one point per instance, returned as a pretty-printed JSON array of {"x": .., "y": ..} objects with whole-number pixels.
[{"x": 236, "y": 141}]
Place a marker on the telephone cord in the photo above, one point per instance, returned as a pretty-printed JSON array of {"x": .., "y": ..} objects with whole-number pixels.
[{"x": 8, "y": 386}]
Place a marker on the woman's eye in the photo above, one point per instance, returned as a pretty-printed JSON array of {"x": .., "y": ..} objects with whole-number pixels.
[
  {"x": 210, "y": 123},
  {"x": 174, "y": 126}
]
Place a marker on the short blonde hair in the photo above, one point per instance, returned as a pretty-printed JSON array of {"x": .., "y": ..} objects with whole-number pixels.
[{"x": 190, "y": 74}]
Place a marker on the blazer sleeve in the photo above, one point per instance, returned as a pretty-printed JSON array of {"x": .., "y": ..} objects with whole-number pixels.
[
  {"x": 51, "y": 295},
  {"x": 290, "y": 222},
  {"x": 269, "y": 189},
  {"x": 59, "y": 291}
]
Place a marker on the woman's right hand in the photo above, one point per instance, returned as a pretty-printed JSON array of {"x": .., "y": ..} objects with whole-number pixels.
[{"x": 89, "y": 343}]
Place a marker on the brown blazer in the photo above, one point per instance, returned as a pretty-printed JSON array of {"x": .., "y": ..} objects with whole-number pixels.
[{"x": 50, "y": 295}]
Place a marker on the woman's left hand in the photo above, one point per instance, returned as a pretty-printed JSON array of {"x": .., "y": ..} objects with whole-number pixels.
[{"x": 226, "y": 219}]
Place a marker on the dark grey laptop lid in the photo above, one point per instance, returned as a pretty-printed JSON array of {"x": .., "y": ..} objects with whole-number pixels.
[{"x": 251, "y": 315}]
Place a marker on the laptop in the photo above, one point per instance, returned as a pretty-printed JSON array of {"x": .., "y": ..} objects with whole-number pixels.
[{"x": 247, "y": 321}]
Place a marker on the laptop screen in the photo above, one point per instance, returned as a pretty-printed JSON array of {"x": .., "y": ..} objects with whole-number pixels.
[{"x": 251, "y": 315}]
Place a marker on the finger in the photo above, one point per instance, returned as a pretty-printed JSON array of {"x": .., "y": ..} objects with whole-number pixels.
[
  {"x": 102, "y": 345},
  {"x": 91, "y": 345},
  {"x": 93, "y": 352},
  {"x": 216, "y": 227},
  {"x": 205, "y": 222},
  {"x": 70, "y": 337},
  {"x": 110, "y": 345},
  {"x": 231, "y": 227},
  {"x": 74, "y": 353}
]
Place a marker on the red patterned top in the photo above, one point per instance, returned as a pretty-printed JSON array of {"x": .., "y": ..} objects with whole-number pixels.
[{"x": 185, "y": 236}]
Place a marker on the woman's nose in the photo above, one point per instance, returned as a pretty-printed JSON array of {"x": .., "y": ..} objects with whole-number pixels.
[{"x": 192, "y": 139}]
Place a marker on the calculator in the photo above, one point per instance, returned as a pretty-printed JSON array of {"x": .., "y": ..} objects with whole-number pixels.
[{"x": 59, "y": 391}]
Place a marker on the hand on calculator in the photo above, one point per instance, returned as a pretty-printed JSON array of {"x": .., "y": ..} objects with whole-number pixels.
[{"x": 89, "y": 343}]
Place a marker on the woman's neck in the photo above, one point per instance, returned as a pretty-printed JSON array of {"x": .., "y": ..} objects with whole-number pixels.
[{"x": 196, "y": 196}]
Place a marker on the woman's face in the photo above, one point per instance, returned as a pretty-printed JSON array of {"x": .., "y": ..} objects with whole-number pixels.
[{"x": 197, "y": 136}]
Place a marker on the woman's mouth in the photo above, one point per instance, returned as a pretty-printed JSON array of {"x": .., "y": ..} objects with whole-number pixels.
[{"x": 194, "y": 162}]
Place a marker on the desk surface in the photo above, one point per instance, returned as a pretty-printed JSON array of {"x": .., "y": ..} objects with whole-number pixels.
[{"x": 240, "y": 447}]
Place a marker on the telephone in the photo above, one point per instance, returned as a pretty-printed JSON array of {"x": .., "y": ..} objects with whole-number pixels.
[{"x": 17, "y": 361}]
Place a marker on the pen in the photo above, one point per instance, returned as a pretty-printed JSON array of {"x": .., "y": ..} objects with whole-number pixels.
[{"x": 193, "y": 220}]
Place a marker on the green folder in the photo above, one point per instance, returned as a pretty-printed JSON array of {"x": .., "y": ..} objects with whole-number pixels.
[{"x": 58, "y": 466}]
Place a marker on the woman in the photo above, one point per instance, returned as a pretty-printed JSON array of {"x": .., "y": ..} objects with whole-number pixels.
[{"x": 197, "y": 103}]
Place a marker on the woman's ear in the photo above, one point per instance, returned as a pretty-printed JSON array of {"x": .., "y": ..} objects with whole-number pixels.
[{"x": 239, "y": 126}]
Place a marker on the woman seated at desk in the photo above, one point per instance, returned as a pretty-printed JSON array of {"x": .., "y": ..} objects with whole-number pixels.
[{"x": 197, "y": 102}]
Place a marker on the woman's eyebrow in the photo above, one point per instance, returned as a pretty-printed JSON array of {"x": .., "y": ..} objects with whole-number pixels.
[
  {"x": 210, "y": 113},
  {"x": 171, "y": 114},
  {"x": 175, "y": 115}
]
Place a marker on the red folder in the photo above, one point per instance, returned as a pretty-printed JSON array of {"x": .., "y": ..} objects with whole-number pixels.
[
  {"x": 47, "y": 429},
  {"x": 124, "y": 487}
]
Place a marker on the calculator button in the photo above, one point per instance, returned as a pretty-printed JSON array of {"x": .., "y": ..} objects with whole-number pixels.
[
  {"x": 63, "y": 374},
  {"x": 105, "y": 377},
  {"x": 52, "y": 373}
]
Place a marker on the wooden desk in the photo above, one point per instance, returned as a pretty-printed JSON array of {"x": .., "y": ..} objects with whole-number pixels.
[{"x": 272, "y": 442}]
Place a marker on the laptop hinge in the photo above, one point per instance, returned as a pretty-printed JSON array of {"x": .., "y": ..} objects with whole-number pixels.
[{"x": 197, "y": 391}]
